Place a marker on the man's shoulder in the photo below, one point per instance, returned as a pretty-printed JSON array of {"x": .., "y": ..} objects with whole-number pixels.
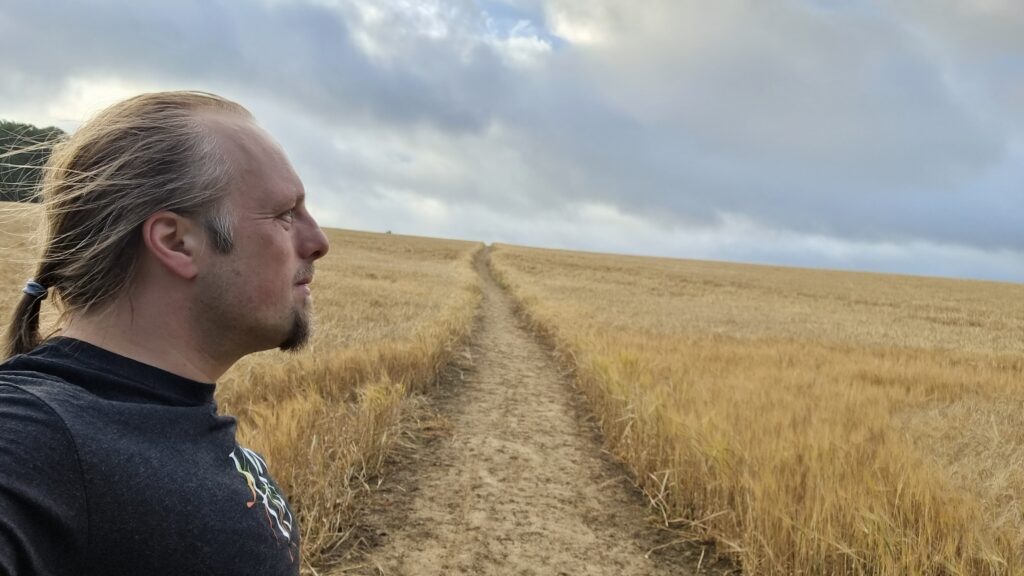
[
  {"x": 32, "y": 413},
  {"x": 11, "y": 374},
  {"x": 17, "y": 380},
  {"x": 42, "y": 486},
  {"x": 29, "y": 392},
  {"x": 25, "y": 393}
]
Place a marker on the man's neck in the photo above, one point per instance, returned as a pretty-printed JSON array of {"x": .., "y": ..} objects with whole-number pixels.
[{"x": 149, "y": 335}]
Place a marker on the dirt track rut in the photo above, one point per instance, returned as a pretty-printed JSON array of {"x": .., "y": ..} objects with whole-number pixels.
[{"x": 519, "y": 484}]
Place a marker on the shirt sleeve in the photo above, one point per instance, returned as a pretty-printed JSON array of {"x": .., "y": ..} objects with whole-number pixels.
[{"x": 43, "y": 511}]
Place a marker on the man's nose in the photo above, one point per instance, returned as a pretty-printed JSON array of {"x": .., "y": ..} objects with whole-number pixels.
[{"x": 316, "y": 244}]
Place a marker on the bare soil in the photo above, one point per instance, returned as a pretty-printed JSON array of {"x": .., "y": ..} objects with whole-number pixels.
[{"x": 513, "y": 480}]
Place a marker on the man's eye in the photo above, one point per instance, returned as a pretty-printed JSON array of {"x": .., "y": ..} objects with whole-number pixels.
[{"x": 288, "y": 216}]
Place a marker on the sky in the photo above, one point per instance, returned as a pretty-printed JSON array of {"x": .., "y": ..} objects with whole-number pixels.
[{"x": 864, "y": 135}]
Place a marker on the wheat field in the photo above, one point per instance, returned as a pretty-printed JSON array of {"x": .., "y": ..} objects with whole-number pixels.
[
  {"x": 804, "y": 422},
  {"x": 390, "y": 311},
  {"x": 794, "y": 421}
]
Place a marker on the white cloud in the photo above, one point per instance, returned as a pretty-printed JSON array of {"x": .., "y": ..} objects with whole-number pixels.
[
  {"x": 583, "y": 24},
  {"x": 387, "y": 29},
  {"x": 84, "y": 96},
  {"x": 76, "y": 100},
  {"x": 520, "y": 47},
  {"x": 814, "y": 133}
]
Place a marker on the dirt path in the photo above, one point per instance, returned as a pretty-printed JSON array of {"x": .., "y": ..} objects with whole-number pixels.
[{"x": 519, "y": 484}]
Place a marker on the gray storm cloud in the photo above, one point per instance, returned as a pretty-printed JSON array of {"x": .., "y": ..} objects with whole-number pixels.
[{"x": 890, "y": 129}]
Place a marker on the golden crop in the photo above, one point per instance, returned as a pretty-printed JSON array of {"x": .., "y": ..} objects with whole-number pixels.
[
  {"x": 390, "y": 310},
  {"x": 807, "y": 422}
]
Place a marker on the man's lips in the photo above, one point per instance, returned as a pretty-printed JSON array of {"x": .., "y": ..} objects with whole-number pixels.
[{"x": 305, "y": 276}]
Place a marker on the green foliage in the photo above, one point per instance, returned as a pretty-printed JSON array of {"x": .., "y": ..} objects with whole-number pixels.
[{"x": 24, "y": 148}]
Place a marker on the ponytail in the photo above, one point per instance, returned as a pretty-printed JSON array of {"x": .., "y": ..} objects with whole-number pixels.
[{"x": 23, "y": 331}]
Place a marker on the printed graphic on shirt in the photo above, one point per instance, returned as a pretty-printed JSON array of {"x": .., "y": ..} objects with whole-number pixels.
[{"x": 254, "y": 469}]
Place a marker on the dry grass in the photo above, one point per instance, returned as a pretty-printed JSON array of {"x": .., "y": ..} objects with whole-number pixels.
[
  {"x": 390, "y": 311},
  {"x": 808, "y": 422}
]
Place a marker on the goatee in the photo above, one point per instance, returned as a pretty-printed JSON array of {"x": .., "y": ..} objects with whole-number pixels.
[{"x": 299, "y": 334}]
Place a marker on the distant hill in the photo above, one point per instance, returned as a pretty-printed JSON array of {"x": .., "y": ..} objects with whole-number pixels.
[{"x": 23, "y": 149}]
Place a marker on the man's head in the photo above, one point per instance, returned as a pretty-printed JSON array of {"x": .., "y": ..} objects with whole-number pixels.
[
  {"x": 180, "y": 192},
  {"x": 261, "y": 288}
]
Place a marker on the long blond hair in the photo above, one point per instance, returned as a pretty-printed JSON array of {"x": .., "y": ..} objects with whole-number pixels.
[{"x": 149, "y": 153}]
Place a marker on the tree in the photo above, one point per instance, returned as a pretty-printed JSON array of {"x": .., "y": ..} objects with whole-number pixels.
[{"x": 24, "y": 148}]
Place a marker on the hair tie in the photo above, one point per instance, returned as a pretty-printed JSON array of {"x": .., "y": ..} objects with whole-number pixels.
[{"x": 35, "y": 290}]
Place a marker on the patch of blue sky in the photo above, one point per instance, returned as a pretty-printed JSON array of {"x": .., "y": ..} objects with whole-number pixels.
[{"x": 505, "y": 18}]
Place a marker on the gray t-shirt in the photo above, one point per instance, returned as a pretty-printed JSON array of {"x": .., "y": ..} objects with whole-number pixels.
[{"x": 111, "y": 466}]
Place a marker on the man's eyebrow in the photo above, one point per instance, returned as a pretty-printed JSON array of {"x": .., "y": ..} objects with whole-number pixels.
[{"x": 294, "y": 200}]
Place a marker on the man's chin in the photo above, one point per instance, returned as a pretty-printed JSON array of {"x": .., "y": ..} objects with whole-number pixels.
[{"x": 298, "y": 334}]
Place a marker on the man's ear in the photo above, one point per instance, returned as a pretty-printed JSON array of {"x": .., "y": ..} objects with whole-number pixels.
[{"x": 174, "y": 241}]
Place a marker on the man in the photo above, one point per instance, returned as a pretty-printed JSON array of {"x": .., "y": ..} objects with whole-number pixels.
[{"x": 178, "y": 241}]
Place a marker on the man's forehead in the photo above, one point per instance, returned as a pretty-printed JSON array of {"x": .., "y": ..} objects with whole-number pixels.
[
  {"x": 260, "y": 165},
  {"x": 239, "y": 138}
]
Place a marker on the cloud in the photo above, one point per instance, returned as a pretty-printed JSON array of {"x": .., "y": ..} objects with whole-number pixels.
[
  {"x": 597, "y": 123},
  {"x": 771, "y": 110}
]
